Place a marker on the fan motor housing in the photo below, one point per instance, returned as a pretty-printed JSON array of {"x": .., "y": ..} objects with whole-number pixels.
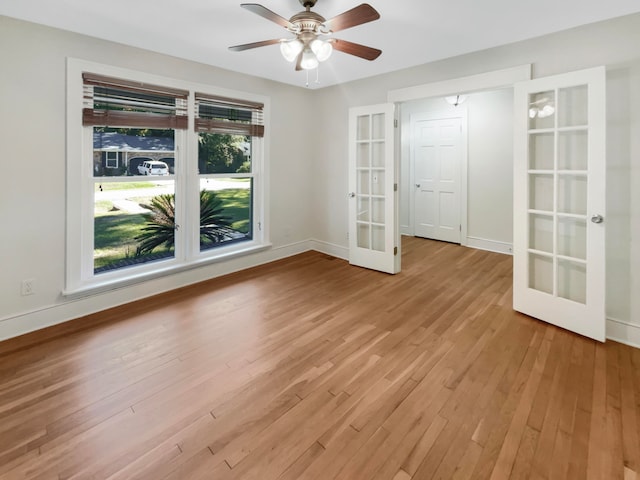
[{"x": 307, "y": 21}]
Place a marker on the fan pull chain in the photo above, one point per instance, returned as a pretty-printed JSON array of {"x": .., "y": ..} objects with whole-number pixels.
[{"x": 317, "y": 81}]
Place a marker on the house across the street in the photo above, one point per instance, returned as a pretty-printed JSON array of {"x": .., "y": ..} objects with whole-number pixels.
[{"x": 117, "y": 154}]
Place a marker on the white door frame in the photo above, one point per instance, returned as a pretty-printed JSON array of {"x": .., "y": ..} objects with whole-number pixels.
[
  {"x": 474, "y": 83},
  {"x": 494, "y": 80},
  {"x": 461, "y": 113}
]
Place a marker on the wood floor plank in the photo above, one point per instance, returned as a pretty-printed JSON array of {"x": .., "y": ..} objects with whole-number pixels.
[
  {"x": 582, "y": 421},
  {"x": 524, "y": 457},
  {"x": 512, "y": 387},
  {"x": 423, "y": 446},
  {"x": 311, "y": 369},
  {"x": 550, "y": 425},
  {"x": 514, "y": 434},
  {"x": 613, "y": 459},
  {"x": 598, "y": 431},
  {"x": 407, "y": 425},
  {"x": 297, "y": 469},
  {"x": 630, "y": 412}
]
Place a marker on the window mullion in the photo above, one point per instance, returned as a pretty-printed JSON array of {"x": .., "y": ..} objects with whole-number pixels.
[
  {"x": 192, "y": 186},
  {"x": 182, "y": 223}
]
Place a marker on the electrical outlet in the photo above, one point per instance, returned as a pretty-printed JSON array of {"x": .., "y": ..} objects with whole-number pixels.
[{"x": 28, "y": 287}]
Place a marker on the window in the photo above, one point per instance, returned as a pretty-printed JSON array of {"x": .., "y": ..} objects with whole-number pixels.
[
  {"x": 111, "y": 160},
  {"x": 226, "y": 129},
  {"x": 134, "y": 221},
  {"x": 147, "y": 195}
]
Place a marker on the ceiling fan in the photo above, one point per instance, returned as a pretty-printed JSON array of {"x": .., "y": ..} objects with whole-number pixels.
[{"x": 307, "y": 48}]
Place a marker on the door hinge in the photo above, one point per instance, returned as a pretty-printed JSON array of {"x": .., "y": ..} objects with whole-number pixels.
[
  {"x": 395, "y": 123},
  {"x": 460, "y": 227},
  {"x": 260, "y": 226},
  {"x": 395, "y": 187},
  {"x": 395, "y": 250}
]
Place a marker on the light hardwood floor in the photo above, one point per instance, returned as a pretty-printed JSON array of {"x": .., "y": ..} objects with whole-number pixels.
[{"x": 308, "y": 368}]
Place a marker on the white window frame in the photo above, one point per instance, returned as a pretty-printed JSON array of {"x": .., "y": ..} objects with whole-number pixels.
[
  {"x": 80, "y": 278},
  {"x": 107, "y": 159}
]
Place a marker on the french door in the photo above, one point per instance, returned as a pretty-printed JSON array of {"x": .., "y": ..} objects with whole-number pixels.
[
  {"x": 373, "y": 233},
  {"x": 559, "y": 200}
]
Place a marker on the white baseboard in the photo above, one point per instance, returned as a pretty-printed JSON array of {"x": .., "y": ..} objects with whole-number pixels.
[
  {"x": 623, "y": 332},
  {"x": 490, "y": 245},
  {"x": 330, "y": 249},
  {"x": 70, "y": 309}
]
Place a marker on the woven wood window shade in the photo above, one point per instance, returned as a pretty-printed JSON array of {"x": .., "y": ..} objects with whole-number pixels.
[
  {"x": 228, "y": 116},
  {"x": 114, "y": 102}
]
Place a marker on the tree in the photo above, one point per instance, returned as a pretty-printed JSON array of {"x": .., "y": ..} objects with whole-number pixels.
[
  {"x": 161, "y": 224},
  {"x": 222, "y": 153}
]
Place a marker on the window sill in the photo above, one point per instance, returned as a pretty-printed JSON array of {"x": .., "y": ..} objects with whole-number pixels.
[{"x": 122, "y": 282}]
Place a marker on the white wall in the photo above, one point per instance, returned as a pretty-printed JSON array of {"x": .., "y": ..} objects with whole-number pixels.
[
  {"x": 490, "y": 216},
  {"x": 308, "y": 166},
  {"x": 612, "y": 43},
  {"x": 634, "y": 210},
  {"x": 489, "y": 164},
  {"x": 32, "y": 162}
]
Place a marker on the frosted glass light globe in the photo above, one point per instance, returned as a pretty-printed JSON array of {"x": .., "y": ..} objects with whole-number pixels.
[
  {"x": 291, "y": 49},
  {"x": 309, "y": 60},
  {"x": 321, "y": 49}
]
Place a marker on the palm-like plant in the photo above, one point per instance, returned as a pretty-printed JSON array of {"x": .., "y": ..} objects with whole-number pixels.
[
  {"x": 161, "y": 222},
  {"x": 213, "y": 224}
]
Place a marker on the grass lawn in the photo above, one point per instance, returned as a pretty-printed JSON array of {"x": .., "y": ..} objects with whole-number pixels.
[
  {"x": 115, "y": 231},
  {"x": 115, "y": 234},
  {"x": 236, "y": 205}
]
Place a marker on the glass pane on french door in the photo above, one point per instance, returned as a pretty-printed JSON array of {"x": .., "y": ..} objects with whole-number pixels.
[
  {"x": 558, "y": 136},
  {"x": 370, "y": 173}
]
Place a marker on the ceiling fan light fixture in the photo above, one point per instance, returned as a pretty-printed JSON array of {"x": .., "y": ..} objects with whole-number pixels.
[
  {"x": 546, "y": 111},
  {"x": 309, "y": 60},
  {"x": 456, "y": 100},
  {"x": 321, "y": 49},
  {"x": 307, "y": 50},
  {"x": 291, "y": 49}
]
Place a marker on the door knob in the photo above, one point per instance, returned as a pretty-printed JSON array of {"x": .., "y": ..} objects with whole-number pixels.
[
  {"x": 417, "y": 185},
  {"x": 352, "y": 194},
  {"x": 597, "y": 219}
]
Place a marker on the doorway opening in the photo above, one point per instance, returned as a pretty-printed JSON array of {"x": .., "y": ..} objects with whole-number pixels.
[{"x": 456, "y": 170}]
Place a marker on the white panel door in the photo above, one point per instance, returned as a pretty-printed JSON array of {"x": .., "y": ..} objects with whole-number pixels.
[
  {"x": 436, "y": 149},
  {"x": 373, "y": 211},
  {"x": 559, "y": 201}
]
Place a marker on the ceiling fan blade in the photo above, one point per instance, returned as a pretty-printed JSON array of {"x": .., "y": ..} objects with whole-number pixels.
[
  {"x": 268, "y": 14},
  {"x": 247, "y": 46},
  {"x": 363, "y": 13},
  {"x": 356, "y": 49}
]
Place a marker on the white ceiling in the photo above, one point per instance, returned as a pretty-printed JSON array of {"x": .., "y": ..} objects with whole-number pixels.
[{"x": 409, "y": 32}]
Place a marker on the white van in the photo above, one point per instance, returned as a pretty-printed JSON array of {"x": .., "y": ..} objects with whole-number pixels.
[{"x": 153, "y": 167}]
